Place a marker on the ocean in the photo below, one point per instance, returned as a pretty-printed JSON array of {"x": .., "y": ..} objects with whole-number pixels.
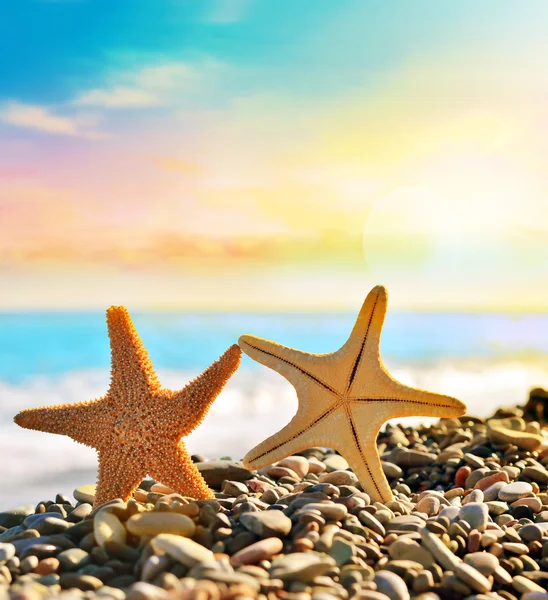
[{"x": 486, "y": 360}]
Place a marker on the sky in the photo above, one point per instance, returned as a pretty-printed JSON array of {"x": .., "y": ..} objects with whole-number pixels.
[{"x": 273, "y": 154}]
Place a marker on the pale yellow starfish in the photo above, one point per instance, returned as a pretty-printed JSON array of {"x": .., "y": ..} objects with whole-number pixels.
[
  {"x": 344, "y": 398},
  {"x": 136, "y": 427}
]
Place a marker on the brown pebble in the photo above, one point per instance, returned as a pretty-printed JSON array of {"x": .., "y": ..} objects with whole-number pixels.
[{"x": 47, "y": 566}]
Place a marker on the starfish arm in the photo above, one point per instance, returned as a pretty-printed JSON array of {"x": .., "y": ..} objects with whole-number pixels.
[
  {"x": 120, "y": 472},
  {"x": 395, "y": 400},
  {"x": 171, "y": 465},
  {"x": 131, "y": 365},
  {"x": 360, "y": 450},
  {"x": 362, "y": 347},
  {"x": 74, "y": 420},
  {"x": 312, "y": 426},
  {"x": 301, "y": 369},
  {"x": 187, "y": 408}
]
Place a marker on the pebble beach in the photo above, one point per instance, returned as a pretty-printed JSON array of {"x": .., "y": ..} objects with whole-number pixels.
[{"x": 469, "y": 519}]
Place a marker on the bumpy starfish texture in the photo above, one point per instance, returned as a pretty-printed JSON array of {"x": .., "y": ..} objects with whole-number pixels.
[
  {"x": 344, "y": 398},
  {"x": 137, "y": 426}
]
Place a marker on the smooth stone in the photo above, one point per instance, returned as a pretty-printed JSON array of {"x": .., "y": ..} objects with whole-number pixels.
[
  {"x": 405, "y": 548},
  {"x": 474, "y": 496},
  {"x": 335, "y": 462},
  {"x": 7, "y": 552},
  {"x": 391, "y": 470},
  {"x": 515, "y": 548},
  {"x": 15, "y": 516},
  {"x": 475, "y": 514},
  {"x": 107, "y": 527},
  {"x": 492, "y": 492},
  {"x": 451, "y": 512},
  {"x": 523, "y": 585},
  {"x": 298, "y": 464},
  {"x": 262, "y": 550},
  {"x": 79, "y": 581},
  {"x": 216, "y": 471},
  {"x": 315, "y": 466},
  {"x": 473, "y": 578},
  {"x": 521, "y": 439},
  {"x": 391, "y": 585},
  {"x": 538, "y": 474},
  {"x": 496, "y": 508},
  {"x": 439, "y": 550},
  {"x": 342, "y": 551},
  {"x": 535, "y": 596},
  {"x": 371, "y": 522},
  {"x": 153, "y": 523},
  {"x": 234, "y": 488},
  {"x": 531, "y": 533},
  {"x": 339, "y": 477},
  {"x": 412, "y": 458},
  {"x": 141, "y": 590},
  {"x": 51, "y": 525},
  {"x": 533, "y": 503},
  {"x": 181, "y": 549},
  {"x": 80, "y": 512},
  {"x": 267, "y": 523},
  {"x": 300, "y": 566},
  {"x": 403, "y": 521},
  {"x": 484, "y": 562},
  {"x": 329, "y": 511},
  {"x": 429, "y": 505},
  {"x": 85, "y": 493},
  {"x": 489, "y": 480},
  {"x": 514, "y": 491},
  {"x": 73, "y": 559},
  {"x": 154, "y": 565}
]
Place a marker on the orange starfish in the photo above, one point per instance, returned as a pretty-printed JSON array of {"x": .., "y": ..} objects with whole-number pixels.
[
  {"x": 136, "y": 427},
  {"x": 344, "y": 398}
]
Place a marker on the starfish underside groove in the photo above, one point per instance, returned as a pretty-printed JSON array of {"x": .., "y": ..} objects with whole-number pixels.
[{"x": 344, "y": 398}]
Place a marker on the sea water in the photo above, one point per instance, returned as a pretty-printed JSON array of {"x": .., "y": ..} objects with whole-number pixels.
[{"x": 486, "y": 360}]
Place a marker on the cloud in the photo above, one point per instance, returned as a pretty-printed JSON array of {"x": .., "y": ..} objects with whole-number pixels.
[
  {"x": 41, "y": 118},
  {"x": 117, "y": 97},
  {"x": 148, "y": 86},
  {"x": 227, "y": 11}
]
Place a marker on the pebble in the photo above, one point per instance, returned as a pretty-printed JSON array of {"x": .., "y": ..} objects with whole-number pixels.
[
  {"x": 73, "y": 559},
  {"x": 484, "y": 562},
  {"x": 15, "y": 516},
  {"x": 523, "y": 585},
  {"x": 216, "y": 471},
  {"x": 439, "y": 550},
  {"x": 297, "y": 464},
  {"x": 267, "y": 523},
  {"x": 475, "y": 514},
  {"x": 339, "y": 477},
  {"x": 146, "y": 591},
  {"x": 489, "y": 480},
  {"x": 538, "y": 474},
  {"x": 391, "y": 585},
  {"x": 300, "y": 566},
  {"x": 522, "y": 439},
  {"x": 531, "y": 533},
  {"x": 85, "y": 493},
  {"x": 391, "y": 470},
  {"x": 335, "y": 462},
  {"x": 262, "y": 550},
  {"x": 514, "y": 491},
  {"x": 473, "y": 578},
  {"x": 108, "y": 528},
  {"x": 181, "y": 549},
  {"x": 371, "y": 522},
  {"x": 7, "y": 552},
  {"x": 154, "y": 523}
]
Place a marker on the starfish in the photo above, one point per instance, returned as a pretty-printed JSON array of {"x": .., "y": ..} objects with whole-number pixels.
[
  {"x": 344, "y": 398},
  {"x": 136, "y": 427}
]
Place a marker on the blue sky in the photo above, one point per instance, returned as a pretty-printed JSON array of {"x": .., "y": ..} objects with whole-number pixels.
[{"x": 272, "y": 134}]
